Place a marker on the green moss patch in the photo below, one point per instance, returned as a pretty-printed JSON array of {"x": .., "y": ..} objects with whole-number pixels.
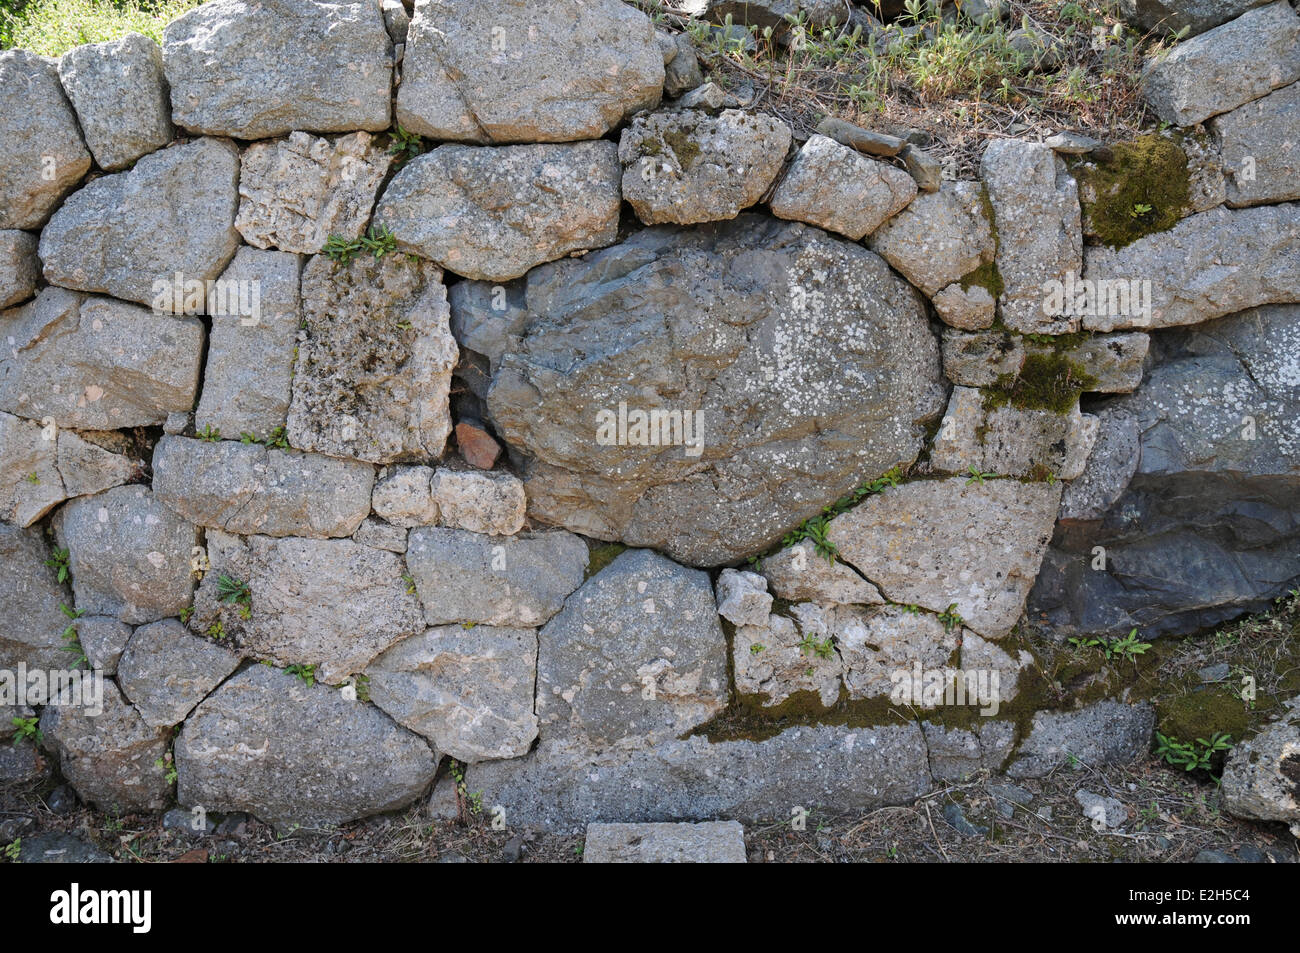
[
  {"x": 985, "y": 276},
  {"x": 1046, "y": 381},
  {"x": 1134, "y": 189},
  {"x": 601, "y": 555}
]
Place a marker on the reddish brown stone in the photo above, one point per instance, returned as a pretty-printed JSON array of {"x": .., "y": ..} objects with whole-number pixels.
[{"x": 477, "y": 445}]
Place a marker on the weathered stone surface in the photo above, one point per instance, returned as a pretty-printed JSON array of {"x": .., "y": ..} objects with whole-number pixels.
[
  {"x": 39, "y": 124},
  {"x": 19, "y": 267},
  {"x": 1171, "y": 16},
  {"x": 373, "y": 375},
  {"x": 381, "y": 535},
  {"x": 493, "y": 213},
  {"x": 780, "y": 658},
  {"x": 248, "y": 488},
  {"x": 289, "y": 753},
  {"x": 925, "y": 169},
  {"x": 934, "y": 543},
  {"x": 247, "y": 383},
  {"x": 682, "y": 73},
  {"x": 332, "y": 603},
  {"x": 103, "y": 639},
  {"x": 469, "y": 691},
  {"x": 687, "y": 166},
  {"x": 39, "y": 469},
  {"x": 970, "y": 309},
  {"x": 254, "y": 70},
  {"x": 1107, "y": 732},
  {"x": 22, "y": 763},
  {"x": 957, "y": 753},
  {"x": 841, "y": 190},
  {"x": 529, "y": 71},
  {"x": 1009, "y": 441},
  {"x": 1206, "y": 185},
  {"x": 1111, "y": 465},
  {"x": 1259, "y": 147},
  {"x": 31, "y": 594},
  {"x": 129, "y": 554},
  {"x": 295, "y": 193},
  {"x": 120, "y": 96},
  {"x": 477, "y": 501},
  {"x": 863, "y": 140},
  {"x": 940, "y": 238},
  {"x": 818, "y": 768},
  {"x": 636, "y": 656},
  {"x": 776, "y": 421},
  {"x": 1040, "y": 236},
  {"x": 95, "y": 363},
  {"x": 511, "y": 581},
  {"x": 798, "y": 573},
  {"x": 877, "y": 644},
  {"x": 108, "y": 757},
  {"x": 774, "y": 13},
  {"x": 1208, "y": 265},
  {"x": 1261, "y": 777},
  {"x": 743, "y": 598},
  {"x": 55, "y": 848},
  {"x": 1206, "y": 529},
  {"x": 166, "y": 671},
  {"x": 710, "y": 842},
  {"x": 978, "y": 360},
  {"x": 129, "y": 234},
  {"x": 1225, "y": 67},
  {"x": 476, "y": 445},
  {"x": 402, "y": 496}
]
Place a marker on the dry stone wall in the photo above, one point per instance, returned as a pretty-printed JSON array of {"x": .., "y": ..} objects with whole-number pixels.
[{"x": 650, "y": 458}]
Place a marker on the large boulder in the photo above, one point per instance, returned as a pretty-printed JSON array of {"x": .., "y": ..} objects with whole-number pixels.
[
  {"x": 30, "y": 591},
  {"x": 96, "y": 363},
  {"x": 254, "y": 70},
  {"x": 527, "y": 70},
  {"x": 249, "y": 488},
  {"x": 635, "y": 657},
  {"x": 42, "y": 156},
  {"x": 296, "y": 754},
  {"x": 493, "y": 213},
  {"x": 118, "y": 91},
  {"x": 132, "y": 233},
  {"x": 373, "y": 375},
  {"x": 736, "y": 379},
  {"x": 1226, "y": 67},
  {"x": 1206, "y": 528}
]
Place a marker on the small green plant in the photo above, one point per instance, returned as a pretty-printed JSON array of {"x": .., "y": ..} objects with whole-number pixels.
[
  {"x": 410, "y": 583},
  {"x": 1139, "y": 210},
  {"x": 59, "y": 563},
  {"x": 33, "y": 478},
  {"x": 977, "y": 475},
  {"x": 405, "y": 145},
  {"x": 472, "y": 800},
  {"x": 756, "y": 648},
  {"x": 377, "y": 240},
  {"x": 823, "y": 648},
  {"x": 362, "y": 683},
  {"x": 186, "y": 614},
  {"x": 306, "y": 673},
  {"x": 70, "y": 637},
  {"x": 27, "y": 729},
  {"x": 277, "y": 439},
  {"x": 167, "y": 765},
  {"x": 951, "y": 618},
  {"x": 912, "y": 609},
  {"x": 216, "y": 630},
  {"x": 1127, "y": 647},
  {"x": 1194, "y": 754},
  {"x": 209, "y": 434},
  {"x": 13, "y": 850},
  {"x": 234, "y": 592}
]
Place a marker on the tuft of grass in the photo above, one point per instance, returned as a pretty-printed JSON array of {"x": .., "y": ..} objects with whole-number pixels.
[{"x": 52, "y": 27}]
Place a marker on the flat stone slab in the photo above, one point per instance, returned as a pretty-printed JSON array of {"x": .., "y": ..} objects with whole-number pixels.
[{"x": 708, "y": 842}]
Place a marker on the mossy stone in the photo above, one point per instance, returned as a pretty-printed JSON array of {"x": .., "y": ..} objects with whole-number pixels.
[{"x": 1134, "y": 189}]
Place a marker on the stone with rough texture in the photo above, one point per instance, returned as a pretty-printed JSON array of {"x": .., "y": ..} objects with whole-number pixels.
[
  {"x": 254, "y": 70},
  {"x": 978, "y": 360},
  {"x": 1206, "y": 528},
  {"x": 402, "y": 496},
  {"x": 957, "y": 753},
  {"x": 685, "y": 167},
  {"x": 248, "y": 378},
  {"x": 970, "y": 309},
  {"x": 332, "y": 603},
  {"x": 777, "y": 658},
  {"x": 476, "y": 445},
  {"x": 1040, "y": 234},
  {"x": 38, "y": 473},
  {"x": 682, "y": 73},
  {"x": 513, "y": 581},
  {"x": 129, "y": 234},
  {"x": 1110, "y": 466},
  {"x": 773, "y": 421},
  {"x": 1261, "y": 777},
  {"x": 940, "y": 238},
  {"x": 55, "y": 848},
  {"x": 819, "y": 768},
  {"x": 934, "y": 543},
  {"x": 743, "y": 598},
  {"x": 120, "y": 96},
  {"x": 109, "y": 757},
  {"x": 295, "y": 193},
  {"x": 129, "y": 554},
  {"x": 841, "y": 190},
  {"x": 96, "y": 363},
  {"x": 492, "y": 213},
  {"x": 709, "y": 842},
  {"x": 1226, "y": 67},
  {"x": 1107, "y": 732},
  {"x": 166, "y": 671},
  {"x": 288, "y": 753},
  {"x": 37, "y": 123},
  {"x": 469, "y": 691},
  {"x": 19, "y": 267},
  {"x": 373, "y": 376},
  {"x": 1172, "y": 16},
  {"x": 1208, "y": 265},
  {"x": 103, "y": 639},
  {"x": 798, "y": 573},
  {"x": 1009, "y": 441},
  {"x": 380, "y": 535},
  {"x": 479, "y": 502},
  {"x": 1259, "y": 147},
  {"x": 877, "y": 644},
  {"x": 29, "y": 591},
  {"x": 775, "y": 13},
  {"x": 635, "y": 657},
  {"x": 526, "y": 70},
  {"x": 248, "y": 488}
]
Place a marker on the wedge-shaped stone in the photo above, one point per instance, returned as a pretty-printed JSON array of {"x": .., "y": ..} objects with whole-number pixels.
[
  {"x": 166, "y": 671},
  {"x": 30, "y": 591},
  {"x": 841, "y": 190},
  {"x": 19, "y": 267},
  {"x": 1107, "y": 732},
  {"x": 799, "y": 573},
  {"x": 978, "y": 360},
  {"x": 940, "y": 238}
]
